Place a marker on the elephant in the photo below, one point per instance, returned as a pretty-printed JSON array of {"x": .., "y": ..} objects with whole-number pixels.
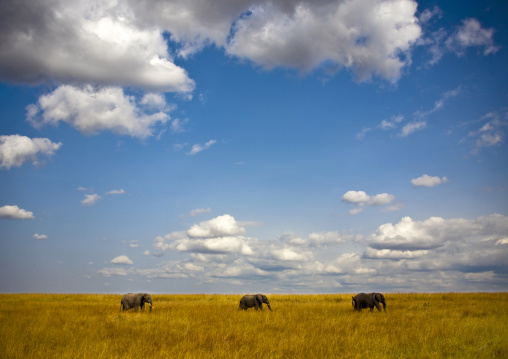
[
  {"x": 362, "y": 300},
  {"x": 254, "y": 300},
  {"x": 135, "y": 301}
]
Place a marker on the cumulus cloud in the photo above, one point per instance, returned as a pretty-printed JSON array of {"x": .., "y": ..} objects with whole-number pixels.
[
  {"x": 230, "y": 244},
  {"x": 40, "y": 236},
  {"x": 224, "y": 225},
  {"x": 124, "y": 42},
  {"x": 428, "y": 181},
  {"x": 290, "y": 254},
  {"x": 14, "y": 212},
  {"x": 366, "y": 36},
  {"x": 222, "y": 234},
  {"x": 100, "y": 43},
  {"x": 122, "y": 260},
  {"x": 92, "y": 110},
  {"x": 362, "y": 199},
  {"x": 90, "y": 199},
  {"x": 16, "y": 149},
  {"x": 437, "y": 252},
  {"x": 198, "y": 148},
  {"x": 435, "y": 232}
]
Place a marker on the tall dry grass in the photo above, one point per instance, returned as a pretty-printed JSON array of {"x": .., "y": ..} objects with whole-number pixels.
[{"x": 449, "y": 325}]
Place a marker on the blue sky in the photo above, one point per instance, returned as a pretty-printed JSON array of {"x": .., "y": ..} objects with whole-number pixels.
[{"x": 288, "y": 147}]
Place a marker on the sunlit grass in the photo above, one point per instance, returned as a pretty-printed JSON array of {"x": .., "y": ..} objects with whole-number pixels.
[{"x": 472, "y": 325}]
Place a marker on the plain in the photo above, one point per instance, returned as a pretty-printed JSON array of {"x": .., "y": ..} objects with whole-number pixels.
[{"x": 420, "y": 325}]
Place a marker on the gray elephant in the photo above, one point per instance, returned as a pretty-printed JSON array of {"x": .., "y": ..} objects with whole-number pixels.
[
  {"x": 254, "y": 300},
  {"x": 362, "y": 300},
  {"x": 136, "y": 300}
]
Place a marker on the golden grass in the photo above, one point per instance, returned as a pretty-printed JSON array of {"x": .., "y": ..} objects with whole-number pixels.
[{"x": 465, "y": 325}]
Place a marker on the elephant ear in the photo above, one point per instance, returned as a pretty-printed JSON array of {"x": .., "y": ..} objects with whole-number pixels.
[{"x": 259, "y": 298}]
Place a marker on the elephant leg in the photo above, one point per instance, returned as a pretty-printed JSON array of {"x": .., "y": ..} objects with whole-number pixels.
[{"x": 377, "y": 306}]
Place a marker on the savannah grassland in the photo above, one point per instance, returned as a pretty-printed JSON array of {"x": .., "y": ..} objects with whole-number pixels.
[{"x": 446, "y": 325}]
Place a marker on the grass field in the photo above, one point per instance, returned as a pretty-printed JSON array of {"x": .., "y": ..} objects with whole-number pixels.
[{"x": 472, "y": 325}]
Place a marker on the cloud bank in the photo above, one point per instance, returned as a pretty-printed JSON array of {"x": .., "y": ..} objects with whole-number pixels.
[
  {"x": 434, "y": 253},
  {"x": 123, "y": 44}
]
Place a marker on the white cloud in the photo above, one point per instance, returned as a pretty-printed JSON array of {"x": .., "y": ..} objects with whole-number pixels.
[
  {"x": 116, "y": 191},
  {"x": 502, "y": 241},
  {"x": 409, "y": 255},
  {"x": 93, "y": 110},
  {"x": 324, "y": 238},
  {"x": 199, "y": 211},
  {"x": 40, "y": 236},
  {"x": 224, "y": 225},
  {"x": 392, "y": 123},
  {"x": 435, "y": 232},
  {"x": 366, "y": 36},
  {"x": 132, "y": 244},
  {"x": 427, "y": 14},
  {"x": 230, "y": 244},
  {"x": 491, "y": 133},
  {"x": 381, "y": 199},
  {"x": 108, "y": 272},
  {"x": 124, "y": 44},
  {"x": 14, "y": 212},
  {"x": 218, "y": 235},
  {"x": 155, "y": 101},
  {"x": 470, "y": 34},
  {"x": 428, "y": 181},
  {"x": 362, "y": 199},
  {"x": 177, "y": 125},
  {"x": 101, "y": 43},
  {"x": 408, "y": 234},
  {"x": 412, "y": 127},
  {"x": 198, "y": 148},
  {"x": 419, "y": 121},
  {"x": 122, "y": 260},
  {"x": 16, "y": 149},
  {"x": 393, "y": 254},
  {"x": 290, "y": 254},
  {"x": 356, "y": 197},
  {"x": 90, "y": 199}
]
